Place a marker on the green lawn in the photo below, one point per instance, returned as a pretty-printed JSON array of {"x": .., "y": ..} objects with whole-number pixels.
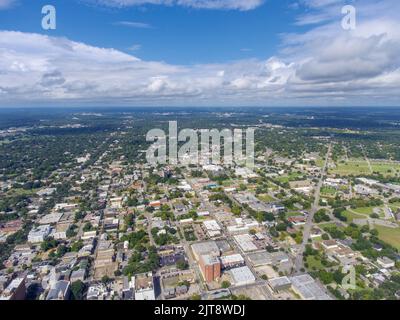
[
  {"x": 293, "y": 214},
  {"x": 389, "y": 235},
  {"x": 395, "y": 204},
  {"x": 317, "y": 239},
  {"x": 227, "y": 183},
  {"x": 365, "y": 210},
  {"x": 351, "y": 167},
  {"x": 369, "y": 210},
  {"x": 314, "y": 264},
  {"x": 394, "y": 208},
  {"x": 291, "y": 177},
  {"x": 385, "y": 168},
  {"x": 22, "y": 192},
  {"x": 320, "y": 163},
  {"x": 265, "y": 197},
  {"x": 328, "y": 191},
  {"x": 327, "y": 225},
  {"x": 351, "y": 216}
]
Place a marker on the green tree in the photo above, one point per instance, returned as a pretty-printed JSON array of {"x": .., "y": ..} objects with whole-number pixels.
[
  {"x": 77, "y": 289},
  {"x": 182, "y": 265}
]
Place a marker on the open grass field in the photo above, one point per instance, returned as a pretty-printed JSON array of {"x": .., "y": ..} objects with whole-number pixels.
[
  {"x": 389, "y": 235},
  {"x": 352, "y": 167},
  {"x": 291, "y": 177},
  {"x": 386, "y": 169},
  {"x": 365, "y": 210},
  {"x": 360, "y": 167},
  {"x": 293, "y": 214},
  {"x": 327, "y": 225},
  {"x": 351, "y": 216},
  {"x": 265, "y": 197}
]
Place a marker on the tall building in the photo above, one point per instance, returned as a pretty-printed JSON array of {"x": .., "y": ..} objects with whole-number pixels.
[{"x": 210, "y": 267}]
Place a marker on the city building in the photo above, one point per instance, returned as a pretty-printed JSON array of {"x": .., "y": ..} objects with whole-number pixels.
[
  {"x": 245, "y": 242},
  {"x": 232, "y": 261},
  {"x": 61, "y": 290},
  {"x": 242, "y": 276},
  {"x": 144, "y": 287},
  {"x": 38, "y": 234},
  {"x": 16, "y": 290},
  {"x": 280, "y": 284},
  {"x": 206, "y": 247},
  {"x": 386, "y": 262},
  {"x": 307, "y": 288},
  {"x": 210, "y": 267}
]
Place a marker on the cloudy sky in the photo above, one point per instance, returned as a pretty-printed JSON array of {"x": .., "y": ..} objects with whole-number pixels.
[{"x": 200, "y": 53}]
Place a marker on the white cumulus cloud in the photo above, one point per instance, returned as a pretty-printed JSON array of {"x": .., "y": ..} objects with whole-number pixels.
[{"x": 325, "y": 65}]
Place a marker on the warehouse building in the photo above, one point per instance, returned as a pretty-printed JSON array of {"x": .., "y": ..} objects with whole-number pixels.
[
  {"x": 308, "y": 289},
  {"x": 245, "y": 242},
  {"x": 242, "y": 276},
  {"x": 280, "y": 284}
]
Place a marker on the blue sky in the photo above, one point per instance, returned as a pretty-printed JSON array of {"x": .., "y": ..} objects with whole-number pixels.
[
  {"x": 199, "y": 52},
  {"x": 174, "y": 34}
]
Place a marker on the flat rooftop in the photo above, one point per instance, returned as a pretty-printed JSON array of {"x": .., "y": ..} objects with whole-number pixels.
[
  {"x": 242, "y": 275},
  {"x": 308, "y": 288}
]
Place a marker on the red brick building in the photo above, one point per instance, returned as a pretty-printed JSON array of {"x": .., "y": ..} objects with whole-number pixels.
[{"x": 210, "y": 267}]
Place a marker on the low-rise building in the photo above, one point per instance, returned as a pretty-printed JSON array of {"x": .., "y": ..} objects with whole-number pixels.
[
  {"x": 96, "y": 292},
  {"x": 61, "y": 290},
  {"x": 38, "y": 234},
  {"x": 280, "y": 284},
  {"x": 212, "y": 227},
  {"x": 144, "y": 287},
  {"x": 245, "y": 242},
  {"x": 308, "y": 289},
  {"x": 232, "y": 261},
  {"x": 242, "y": 276},
  {"x": 16, "y": 290},
  {"x": 386, "y": 262}
]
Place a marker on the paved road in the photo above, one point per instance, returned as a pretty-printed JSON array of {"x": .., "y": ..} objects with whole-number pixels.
[
  {"x": 149, "y": 227},
  {"x": 298, "y": 265}
]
